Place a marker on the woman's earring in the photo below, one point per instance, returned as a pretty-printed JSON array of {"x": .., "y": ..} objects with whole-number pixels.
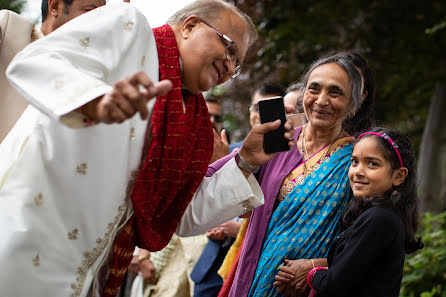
[{"x": 395, "y": 195}]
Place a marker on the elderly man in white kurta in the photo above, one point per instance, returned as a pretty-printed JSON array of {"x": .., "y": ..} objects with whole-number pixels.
[{"x": 69, "y": 212}]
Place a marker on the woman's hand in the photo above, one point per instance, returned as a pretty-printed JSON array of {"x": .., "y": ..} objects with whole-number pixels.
[{"x": 297, "y": 285}]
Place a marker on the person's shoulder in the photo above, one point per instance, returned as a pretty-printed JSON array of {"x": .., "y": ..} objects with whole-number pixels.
[
  {"x": 115, "y": 10},
  {"x": 15, "y": 33},
  {"x": 5, "y": 14},
  {"x": 381, "y": 217},
  {"x": 10, "y": 17}
]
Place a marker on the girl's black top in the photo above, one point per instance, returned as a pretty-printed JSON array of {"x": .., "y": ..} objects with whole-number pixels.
[{"x": 366, "y": 259}]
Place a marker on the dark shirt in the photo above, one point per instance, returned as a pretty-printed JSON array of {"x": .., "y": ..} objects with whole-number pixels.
[{"x": 366, "y": 259}]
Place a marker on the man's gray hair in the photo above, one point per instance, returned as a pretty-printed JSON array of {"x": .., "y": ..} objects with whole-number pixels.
[
  {"x": 295, "y": 86},
  {"x": 210, "y": 10},
  {"x": 352, "y": 72}
]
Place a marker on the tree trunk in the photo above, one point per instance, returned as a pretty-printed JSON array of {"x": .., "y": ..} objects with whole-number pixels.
[{"x": 432, "y": 158}]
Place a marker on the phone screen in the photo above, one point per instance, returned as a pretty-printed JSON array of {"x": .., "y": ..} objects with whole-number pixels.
[{"x": 271, "y": 109}]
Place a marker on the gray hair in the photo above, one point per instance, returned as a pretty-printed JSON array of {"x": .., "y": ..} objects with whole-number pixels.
[
  {"x": 352, "y": 72},
  {"x": 295, "y": 86},
  {"x": 211, "y": 10}
]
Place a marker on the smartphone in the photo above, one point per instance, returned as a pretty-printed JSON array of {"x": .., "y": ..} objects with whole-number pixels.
[{"x": 271, "y": 109}]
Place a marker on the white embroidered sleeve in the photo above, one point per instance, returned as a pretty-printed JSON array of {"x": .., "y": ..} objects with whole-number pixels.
[
  {"x": 220, "y": 198},
  {"x": 81, "y": 60}
]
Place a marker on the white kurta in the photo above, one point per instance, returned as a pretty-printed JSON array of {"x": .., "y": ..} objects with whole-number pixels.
[{"x": 63, "y": 191}]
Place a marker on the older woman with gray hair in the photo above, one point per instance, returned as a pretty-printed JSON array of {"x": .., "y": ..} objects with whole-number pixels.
[{"x": 306, "y": 188}]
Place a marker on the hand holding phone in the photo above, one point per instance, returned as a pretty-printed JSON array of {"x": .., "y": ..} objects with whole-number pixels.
[{"x": 270, "y": 110}]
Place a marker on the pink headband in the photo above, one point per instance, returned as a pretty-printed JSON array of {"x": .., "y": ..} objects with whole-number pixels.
[{"x": 389, "y": 140}]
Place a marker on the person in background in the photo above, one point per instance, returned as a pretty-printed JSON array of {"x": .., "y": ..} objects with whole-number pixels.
[
  {"x": 15, "y": 33},
  {"x": 221, "y": 139},
  {"x": 215, "y": 112},
  {"x": 293, "y": 97},
  {"x": 55, "y": 13},
  {"x": 267, "y": 90}
]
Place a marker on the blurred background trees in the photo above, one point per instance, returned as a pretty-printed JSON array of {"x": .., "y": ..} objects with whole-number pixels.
[
  {"x": 14, "y": 5},
  {"x": 404, "y": 42}
]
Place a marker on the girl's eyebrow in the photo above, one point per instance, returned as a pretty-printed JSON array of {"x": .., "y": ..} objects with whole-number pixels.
[{"x": 367, "y": 158}]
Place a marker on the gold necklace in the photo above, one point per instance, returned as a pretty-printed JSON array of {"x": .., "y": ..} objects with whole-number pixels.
[{"x": 305, "y": 151}]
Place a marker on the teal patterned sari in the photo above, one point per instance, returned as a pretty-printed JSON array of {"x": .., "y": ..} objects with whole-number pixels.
[{"x": 305, "y": 222}]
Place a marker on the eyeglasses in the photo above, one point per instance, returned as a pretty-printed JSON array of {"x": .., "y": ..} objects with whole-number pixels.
[
  {"x": 254, "y": 108},
  {"x": 217, "y": 118},
  {"x": 231, "y": 50}
]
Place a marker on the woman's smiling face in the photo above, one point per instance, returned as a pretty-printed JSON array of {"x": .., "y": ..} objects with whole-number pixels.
[{"x": 327, "y": 96}]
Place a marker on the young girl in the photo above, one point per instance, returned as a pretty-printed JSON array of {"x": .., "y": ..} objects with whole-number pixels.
[{"x": 367, "y": 258}]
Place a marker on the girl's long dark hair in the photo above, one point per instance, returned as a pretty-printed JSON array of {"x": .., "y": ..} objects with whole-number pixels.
[{"x": 403, "y": 199}]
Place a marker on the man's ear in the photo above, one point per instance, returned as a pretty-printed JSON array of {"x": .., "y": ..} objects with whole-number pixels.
[
  {"x": 400, "y": 175},
  {"x": 189, "y": 24},
  {"x": 55, "y": 7}
]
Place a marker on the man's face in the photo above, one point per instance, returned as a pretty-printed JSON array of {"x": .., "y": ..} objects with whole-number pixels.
[
  {"x": 76, "y": 8},
  {"x": 292, "y": 97},
  {"x": 203, "y": 51},
  {"x": 215, "y": 115}
]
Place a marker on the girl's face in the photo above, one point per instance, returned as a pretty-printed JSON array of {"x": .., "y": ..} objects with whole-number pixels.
[{"x": 370, "y": 174}]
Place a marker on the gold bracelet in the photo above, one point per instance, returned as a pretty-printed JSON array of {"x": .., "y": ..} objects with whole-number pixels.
[{"x": 312, "y": 262}]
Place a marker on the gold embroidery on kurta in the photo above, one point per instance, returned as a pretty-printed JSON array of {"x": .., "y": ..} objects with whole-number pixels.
[
  {"x": 246, "y": 206},
  {"x": 131, "y": 183},
  {"x": 36, "y": 260},
  {"x": 38, "y": 200},
  {"x": 73, "y": 234},
  {"x": 143, "y": 61},
  {"x": 132, "y": 133},
  {"x": 82, "y": 169},
  {"x": 128, "y": 26},
  {"x": 91, "y": 256},
  {"x": 58, "y": 84},
  {"x": 85, "y": 42},
  {"x": 54, "y": 56}
]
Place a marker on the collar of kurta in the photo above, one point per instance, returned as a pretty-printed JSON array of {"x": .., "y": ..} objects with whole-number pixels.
[{"x": 172, "y": 169}]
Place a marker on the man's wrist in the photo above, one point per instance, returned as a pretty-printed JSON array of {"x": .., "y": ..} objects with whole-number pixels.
[
  {"x": 143, "y": 258},
  {"x": 242, "y": 164}
]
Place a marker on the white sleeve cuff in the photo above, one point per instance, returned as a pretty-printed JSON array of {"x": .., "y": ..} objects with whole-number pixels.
[{"x": 220, "y": 198}]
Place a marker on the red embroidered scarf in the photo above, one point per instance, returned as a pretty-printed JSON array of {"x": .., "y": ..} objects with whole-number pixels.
[{"x": 175, "y": 164}]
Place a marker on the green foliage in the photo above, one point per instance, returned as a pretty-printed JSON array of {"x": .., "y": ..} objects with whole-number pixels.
[
  {"x": 436, "y": 28},
  {"x": 14, "y": 5},
  {"x": 425, "y": 271}
]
